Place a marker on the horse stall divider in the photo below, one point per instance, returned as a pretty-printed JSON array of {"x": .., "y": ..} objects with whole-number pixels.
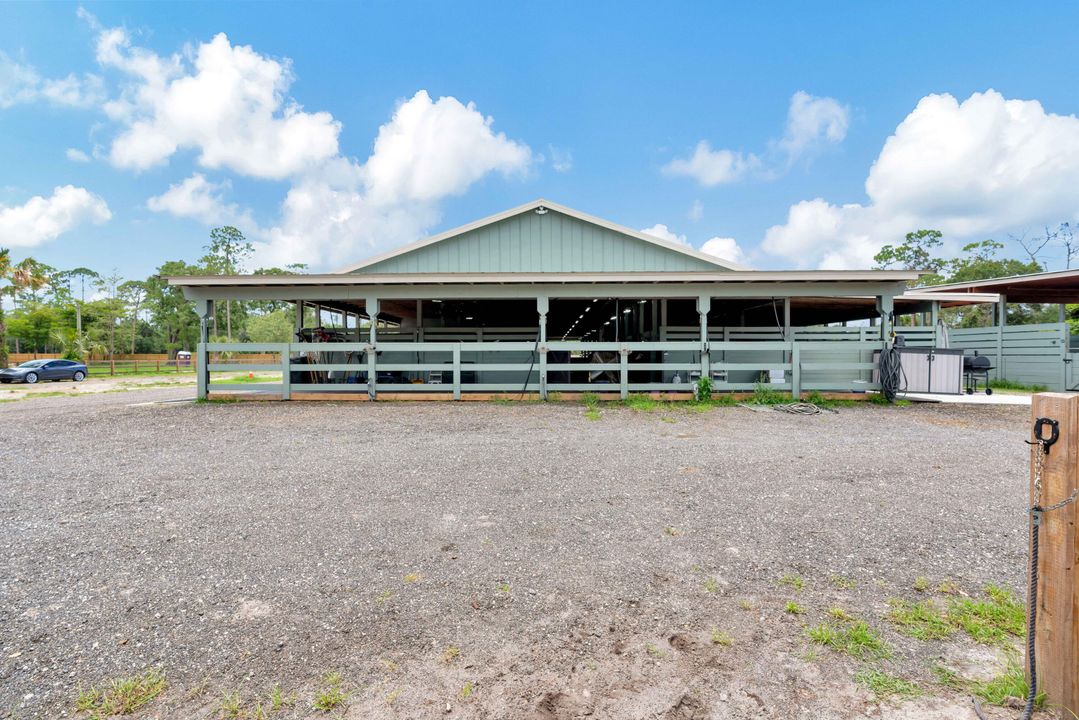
[{"x": 1056, "y": 640}]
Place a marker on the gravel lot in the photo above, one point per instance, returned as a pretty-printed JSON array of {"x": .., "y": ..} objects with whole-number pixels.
[{"x": 578, "y": 566}]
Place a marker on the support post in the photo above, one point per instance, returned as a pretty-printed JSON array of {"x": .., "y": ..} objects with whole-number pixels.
[
  {"x": 623, "y": 372},
  {"x": 457, "y": 371},
  {"x": 1056, "y": 639},
  {"x": 934, "y": 315},
  {"x": 796, "y": 371},
  {"x": 205, "y": 310},
  {"x": 542, "y": 306},
  {"x": 371, "y": 305},
  {"x": 298, "y": 324},
  {"x": 704, "y": 304},
  {"x": 787, "y": 319},
  {"x": 885, "y": 306},
  {"x": 286, "y": 373},
  {"x": 1002, "y": 320}
]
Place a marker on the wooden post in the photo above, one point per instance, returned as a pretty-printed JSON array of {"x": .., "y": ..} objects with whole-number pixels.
[{"x": 1057, "y": 635}]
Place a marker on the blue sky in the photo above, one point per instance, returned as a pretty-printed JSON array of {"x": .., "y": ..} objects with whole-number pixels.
[{"x": 332, "y": 131}]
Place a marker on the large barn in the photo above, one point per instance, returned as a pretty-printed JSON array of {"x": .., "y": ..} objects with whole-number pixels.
[{"x": 544, "y": 299}]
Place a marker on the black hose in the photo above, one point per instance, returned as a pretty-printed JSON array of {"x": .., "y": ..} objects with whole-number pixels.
[
  {"x": 531, "y": 364},
  {"x": 1032, "y": 617},
  {"x": 893, "y": 380}
]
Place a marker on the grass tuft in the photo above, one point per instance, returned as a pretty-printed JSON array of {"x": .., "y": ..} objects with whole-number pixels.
[
  {"x": 923, "y": 620},
  {"x": 1012, "y": 683},
  {"x": 231, "y": 707},
  {"x": 992, "y": 620},
  {"x": 793, "y": 581},
  {"x": 856, "y": 639},
  {"x": 331, "y": 695},
  {"x": 121, "y": 697},
  {"x": 794, "y": 608},
  {"x": 642, "y": 403},
  {"x": 838, "y": 613},
  {"x": 843, "y": 583},
  {"x": 721, "y": 637},
  {"x": 883, "y": 685}
]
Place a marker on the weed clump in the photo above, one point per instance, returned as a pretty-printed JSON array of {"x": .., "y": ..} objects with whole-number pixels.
[
  {"x": 121, "y": 697},
  {"x": 856, "y": 639}
]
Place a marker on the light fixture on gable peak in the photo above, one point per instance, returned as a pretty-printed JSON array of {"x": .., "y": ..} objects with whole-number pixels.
[{"x": 541, "y": 210}]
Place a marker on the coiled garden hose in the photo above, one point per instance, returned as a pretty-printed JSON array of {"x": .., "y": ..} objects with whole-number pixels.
[{"x": 893, "y": 381}]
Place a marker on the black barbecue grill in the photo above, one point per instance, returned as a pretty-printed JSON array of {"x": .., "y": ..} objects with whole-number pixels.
[{"x": 976, "y": 367}]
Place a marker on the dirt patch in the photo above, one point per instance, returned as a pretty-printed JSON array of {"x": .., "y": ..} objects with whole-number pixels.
[{"x": 475, "y": 561}]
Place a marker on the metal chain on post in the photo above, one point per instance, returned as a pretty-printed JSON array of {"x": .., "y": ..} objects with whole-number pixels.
[{"x": 1039, "y": 449}]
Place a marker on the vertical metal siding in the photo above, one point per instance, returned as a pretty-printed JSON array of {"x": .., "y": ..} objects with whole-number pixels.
[{"x": 539, "y": 243}]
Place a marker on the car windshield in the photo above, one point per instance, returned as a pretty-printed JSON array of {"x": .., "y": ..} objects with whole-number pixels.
[{"x": 33, "y": 363}]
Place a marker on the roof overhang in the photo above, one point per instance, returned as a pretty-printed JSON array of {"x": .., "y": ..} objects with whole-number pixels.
[
  {"x": 1061, "y": 286},
  {"x": 375, "y": 279}
]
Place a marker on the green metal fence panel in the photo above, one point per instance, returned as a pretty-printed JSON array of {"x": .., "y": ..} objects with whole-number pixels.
[{"x": 826, "y": 361}]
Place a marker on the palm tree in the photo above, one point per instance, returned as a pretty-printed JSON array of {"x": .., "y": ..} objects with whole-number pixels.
[
  {"x": 26, "y": 275},
  {"x": 5, "y": 275}
]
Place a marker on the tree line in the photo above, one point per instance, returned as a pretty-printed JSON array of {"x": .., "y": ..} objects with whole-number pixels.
[
  {"x": 82, "y": 313},
  {"x": 982, "y": 260}
]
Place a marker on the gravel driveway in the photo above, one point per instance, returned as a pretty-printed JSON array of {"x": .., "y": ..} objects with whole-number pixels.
[{"x": 488, "y": 560}]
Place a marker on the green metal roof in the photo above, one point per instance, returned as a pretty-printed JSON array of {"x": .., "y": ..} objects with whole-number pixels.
[{"x": 541, "y": 237}]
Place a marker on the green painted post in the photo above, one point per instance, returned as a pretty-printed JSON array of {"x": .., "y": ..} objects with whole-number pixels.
[
  {"x": 1002, "y": 320},
  {"x": 623, "y": 373},
  {"x": 205, "y": 310},
  {"x": 286, "y": 373},
  {"x": 704, "y": 304},
  {"x": 542, "y": 306},
  {"x": 371, "y": 305},
  {"x": 200, "y": 371},
  {"x": 457, "y": 371},
  {"x": 796, "y": 370}
]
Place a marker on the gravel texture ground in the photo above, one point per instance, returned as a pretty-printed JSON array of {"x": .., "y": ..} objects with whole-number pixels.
[{"x": 490, "y": 560}]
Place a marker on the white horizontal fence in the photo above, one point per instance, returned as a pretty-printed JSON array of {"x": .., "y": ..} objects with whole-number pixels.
[{"x": 504, "y": 366}]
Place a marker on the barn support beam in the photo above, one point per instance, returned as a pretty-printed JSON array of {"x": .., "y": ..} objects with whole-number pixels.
[
  {"x": 205, "y": 310},
  {"x": 371, "y": 305},
  {"x": 1002, "y": 321},
  {"x": 934, "y": 314},
  {"x": 704, "y": 304},
  {"x": 885, "y": 308},
  {"x": 542, "y": 307}
]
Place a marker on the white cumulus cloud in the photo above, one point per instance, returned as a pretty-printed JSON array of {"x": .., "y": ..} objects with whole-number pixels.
[
  {"x": 40, "y": 219},
  {"x": 203, "y": 200},
  {"x": 434, "y": 149},
  {"x": 76, "y": 155},
  {"x": 429, "y": 150},
  {"x": 812, "y": 123},
  {"x": 229, "y": 105},
  {"x": 21, "y": 83},
  {"x": 979, "y": 167},
  {"x": 712, "y": 167},
  {"x": 663, "y": 232},
  {"x": 724, "y": 248}
]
